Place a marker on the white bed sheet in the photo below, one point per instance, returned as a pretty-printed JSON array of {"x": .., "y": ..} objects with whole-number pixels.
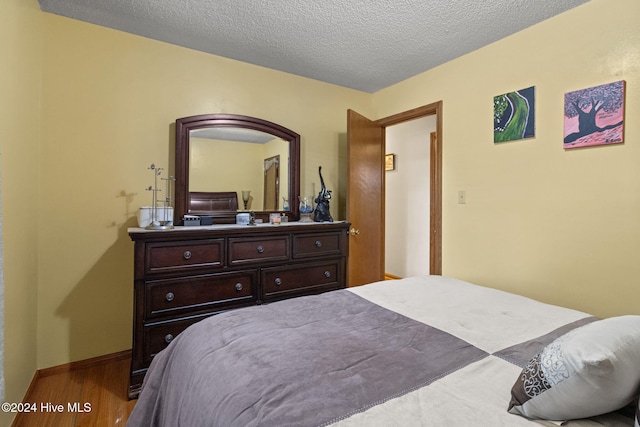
[
  {"x": 488, "y": 318},
  {"x": 478, "y": 394}
]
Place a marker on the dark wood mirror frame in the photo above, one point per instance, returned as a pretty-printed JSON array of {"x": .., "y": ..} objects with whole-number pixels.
[{"x": 187, "y": 124}]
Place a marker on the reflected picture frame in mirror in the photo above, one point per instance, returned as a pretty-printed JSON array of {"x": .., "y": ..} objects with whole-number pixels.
[{"x": 185, "y": 126}]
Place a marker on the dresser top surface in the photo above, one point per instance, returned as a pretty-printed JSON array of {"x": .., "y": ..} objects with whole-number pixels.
[{"x": 199, "y": 230}]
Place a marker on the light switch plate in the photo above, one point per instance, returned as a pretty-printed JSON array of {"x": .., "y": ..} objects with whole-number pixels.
[{"x": 462, "y": 197}]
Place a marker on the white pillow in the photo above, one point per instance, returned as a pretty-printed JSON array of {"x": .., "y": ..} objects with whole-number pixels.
[{"x": 591, "y": 370}]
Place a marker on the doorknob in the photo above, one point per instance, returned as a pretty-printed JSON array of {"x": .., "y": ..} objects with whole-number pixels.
[{"x": 353, "y": 232}]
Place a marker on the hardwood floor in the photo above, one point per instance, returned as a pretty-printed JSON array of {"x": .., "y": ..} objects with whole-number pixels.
[{"x": 86, "y": 393}]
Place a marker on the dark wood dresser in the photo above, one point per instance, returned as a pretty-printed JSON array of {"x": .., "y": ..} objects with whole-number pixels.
[{"x": 188, "y": 273}]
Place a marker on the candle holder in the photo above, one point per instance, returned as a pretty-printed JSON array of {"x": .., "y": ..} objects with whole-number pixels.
[{"x": 246, "y": 196}]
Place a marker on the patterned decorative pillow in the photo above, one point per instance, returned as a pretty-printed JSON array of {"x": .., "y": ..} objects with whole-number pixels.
[{"x": 591, "y": 370}]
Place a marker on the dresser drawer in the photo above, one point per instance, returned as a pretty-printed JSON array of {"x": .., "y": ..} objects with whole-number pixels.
[
  {"x": 199, "y": 293},
  {"x": 158, "y": 336},
  {"x": 258, "y": 250},
  {"x": 312, "y": 245},
  {"x": 176, "y": 256},
  {"x": 278, "y": 282}
]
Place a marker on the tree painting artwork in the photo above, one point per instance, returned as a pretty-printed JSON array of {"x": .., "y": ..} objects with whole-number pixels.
[
  {"x": 594, "y": 116},
  {"x": 514, "y": 115}
]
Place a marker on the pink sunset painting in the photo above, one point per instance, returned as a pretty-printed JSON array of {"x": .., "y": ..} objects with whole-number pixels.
[{"x": 594, "y": 116}]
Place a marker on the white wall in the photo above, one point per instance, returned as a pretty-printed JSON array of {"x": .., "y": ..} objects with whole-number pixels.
[{"x": 407, "y": 198}]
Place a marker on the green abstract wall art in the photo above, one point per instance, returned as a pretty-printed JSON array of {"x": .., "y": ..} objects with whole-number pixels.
[{"x": 514, "y": 115}]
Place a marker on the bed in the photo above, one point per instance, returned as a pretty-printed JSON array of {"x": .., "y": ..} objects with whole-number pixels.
[
  {"x": 421, "y": 351},
  {"x": 207, "y": 202}
]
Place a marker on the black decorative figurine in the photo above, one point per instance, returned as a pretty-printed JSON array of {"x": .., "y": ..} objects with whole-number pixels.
[{"x": 321, "y": 213}]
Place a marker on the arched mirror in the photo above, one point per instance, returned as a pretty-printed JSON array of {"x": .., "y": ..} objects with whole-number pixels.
[{"x": 227, "y": 163}]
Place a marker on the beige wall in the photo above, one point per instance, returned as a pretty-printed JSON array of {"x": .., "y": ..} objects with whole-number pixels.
[
  {"x": 109, "y": 103},
  {"x": 21, "y": 35},
  {"x": 561, "y": 226}
]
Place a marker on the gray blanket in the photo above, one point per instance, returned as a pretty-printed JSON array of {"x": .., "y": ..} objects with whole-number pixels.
[{"x": 308, "y": 361}]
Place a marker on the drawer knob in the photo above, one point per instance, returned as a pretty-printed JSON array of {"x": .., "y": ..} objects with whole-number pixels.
[
  {"x": 187, "y": 254},
  {"x": 318, "y": 244},
  {"x": 260, "y": 249},
  {"x": 238, "y": 286},
  {"x": 169, "y": 296},
  {"x": 327, "y": 274},
  {"x": 278, "y": 281},
  {"x": 168, "y": 338}
]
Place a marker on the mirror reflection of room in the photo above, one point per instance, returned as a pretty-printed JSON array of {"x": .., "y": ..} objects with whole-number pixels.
[{"x": 217, "y": 165}]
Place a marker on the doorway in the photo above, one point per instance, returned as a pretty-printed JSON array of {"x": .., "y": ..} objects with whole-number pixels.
[
  {"x": 271, "y": 183},
  {"x": 365, "y": 193},
  {"x": 407, "y": 197}
]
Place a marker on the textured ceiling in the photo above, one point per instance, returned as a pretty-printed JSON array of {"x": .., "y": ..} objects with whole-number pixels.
[
  {"x": 361, "y": 44},
  {"x": 232, "y": 134}
]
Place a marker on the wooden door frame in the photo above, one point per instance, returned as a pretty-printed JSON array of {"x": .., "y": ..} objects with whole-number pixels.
[{"x": 435, "y": 214}]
